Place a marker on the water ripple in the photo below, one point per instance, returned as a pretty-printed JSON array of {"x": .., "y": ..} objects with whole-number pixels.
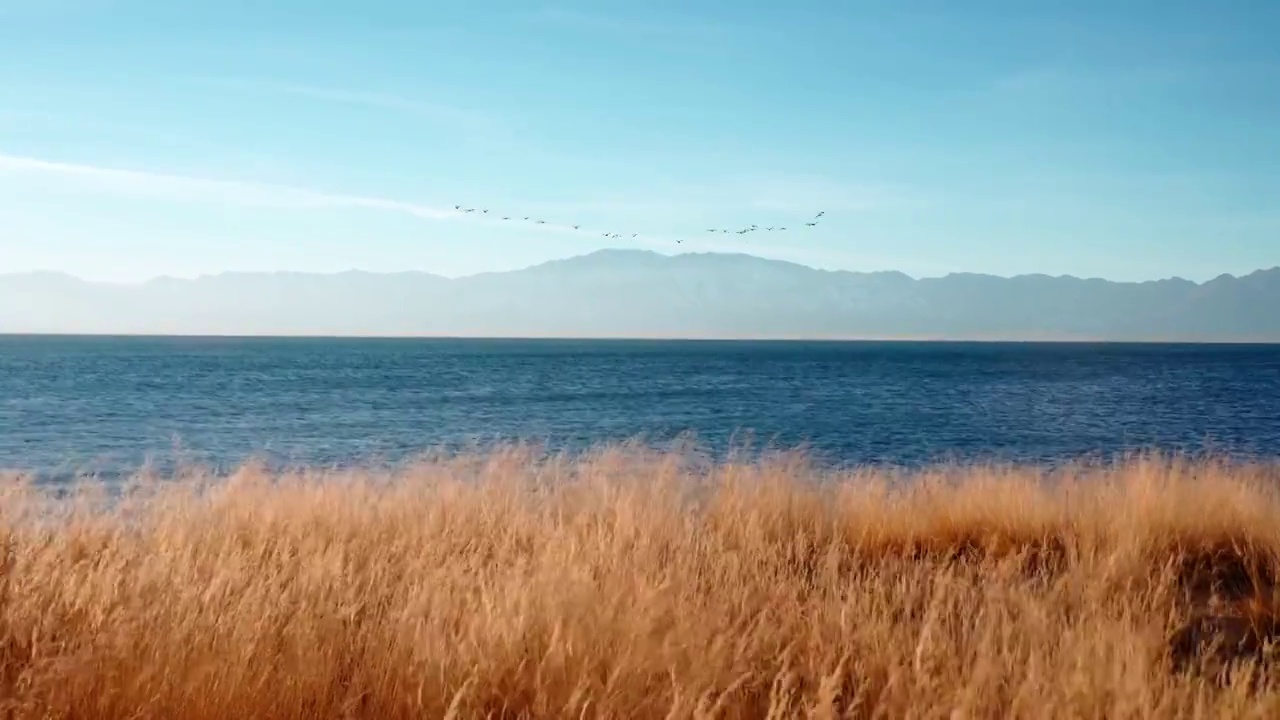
[{"x": 71, "y": 405}]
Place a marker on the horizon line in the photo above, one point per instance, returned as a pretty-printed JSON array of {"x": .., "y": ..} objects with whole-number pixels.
[
  {"x": 673, "y": 256},
  {"x": 775, "y": 339}
]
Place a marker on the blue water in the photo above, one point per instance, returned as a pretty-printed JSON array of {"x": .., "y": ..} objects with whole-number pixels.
[{"x": 75, "y": 405}]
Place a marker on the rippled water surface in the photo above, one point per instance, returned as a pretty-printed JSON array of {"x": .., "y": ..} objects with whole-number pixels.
[{"x": 72, "y": 405}]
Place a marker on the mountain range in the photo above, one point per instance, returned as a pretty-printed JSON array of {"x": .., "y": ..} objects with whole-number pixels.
[{"x": 633, "y": 293}]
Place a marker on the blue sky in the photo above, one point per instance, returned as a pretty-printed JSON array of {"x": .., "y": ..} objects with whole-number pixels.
[{"x": 1127, "y": 140}]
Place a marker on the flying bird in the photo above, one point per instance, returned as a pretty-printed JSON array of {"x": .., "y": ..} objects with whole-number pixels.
[{"x": 743, "y": 231}]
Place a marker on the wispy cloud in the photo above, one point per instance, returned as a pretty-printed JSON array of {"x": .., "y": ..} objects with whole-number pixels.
[
  {"x": 184, "y": 188},
  {"x": 793, "y": 193},
  {"x": 683, "y": 27},
  {"x": 475, "y": 120},
  {"x": 740, "y": 197},
  {"x": 1062, "y": 81},
  {"x": 1072, "y": 80},
  {"x": 21, "y": 9},
  {"x": 168, "y": 187}
]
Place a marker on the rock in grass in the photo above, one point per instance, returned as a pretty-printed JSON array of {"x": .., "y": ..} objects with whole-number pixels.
[{"x": 1218, "y": 643}]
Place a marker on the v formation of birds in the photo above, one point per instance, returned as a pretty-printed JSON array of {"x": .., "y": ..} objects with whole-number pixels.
[{"x": 741, "y": 231}]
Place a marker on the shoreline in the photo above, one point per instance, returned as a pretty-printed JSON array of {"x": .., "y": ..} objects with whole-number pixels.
[
  {"x": 1266, "y": 341},
  {"x": 698, "y": 455}
]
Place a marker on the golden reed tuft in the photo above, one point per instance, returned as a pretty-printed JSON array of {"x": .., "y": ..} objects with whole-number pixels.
[{"x": 629, "y": 583}]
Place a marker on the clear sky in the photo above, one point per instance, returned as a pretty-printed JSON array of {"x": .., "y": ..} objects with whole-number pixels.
[{"x": 1126, "y": 140}]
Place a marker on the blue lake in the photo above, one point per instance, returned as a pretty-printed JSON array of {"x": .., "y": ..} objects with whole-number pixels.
[{"x": 87, "y": 404}]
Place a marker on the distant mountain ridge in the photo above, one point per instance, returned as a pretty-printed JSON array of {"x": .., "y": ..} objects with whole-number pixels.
[{"x": 636, "y": 293}]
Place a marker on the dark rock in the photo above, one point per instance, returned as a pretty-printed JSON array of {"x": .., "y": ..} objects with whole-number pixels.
[{"x": 1218, "y": 643}]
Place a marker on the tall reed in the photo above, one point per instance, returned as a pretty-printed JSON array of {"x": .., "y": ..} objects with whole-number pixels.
[{"x": 628, "y": 583}]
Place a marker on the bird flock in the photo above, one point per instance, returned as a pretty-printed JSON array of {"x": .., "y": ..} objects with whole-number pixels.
[
  {"x": 741, "y": 231},
  {"x": 753, "y": 228}
]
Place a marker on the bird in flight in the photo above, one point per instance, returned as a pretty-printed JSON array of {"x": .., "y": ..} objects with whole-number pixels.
[{"x": 753, "y": 227}]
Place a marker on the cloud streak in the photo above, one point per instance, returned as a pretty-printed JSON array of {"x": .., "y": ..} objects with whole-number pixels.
[
  {"x": 440, "y": 112},
  {"x": 799, "y": 195},
  {"x": 184, "y": 188},
  {"x": 680, "y": 28},
  {"x": 168, "y": 187}
]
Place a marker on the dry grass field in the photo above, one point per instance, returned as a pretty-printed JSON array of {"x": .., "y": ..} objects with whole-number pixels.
[{"x": 628, "y": 583}]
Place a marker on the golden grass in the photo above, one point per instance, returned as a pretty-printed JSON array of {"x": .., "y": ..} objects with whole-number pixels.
[{"x": 634, "y": 584}]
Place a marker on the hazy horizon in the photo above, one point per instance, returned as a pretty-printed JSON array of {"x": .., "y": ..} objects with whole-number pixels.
[
  {"x": 608, "y": 250},
  {"x": 641, "y": 294}
]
